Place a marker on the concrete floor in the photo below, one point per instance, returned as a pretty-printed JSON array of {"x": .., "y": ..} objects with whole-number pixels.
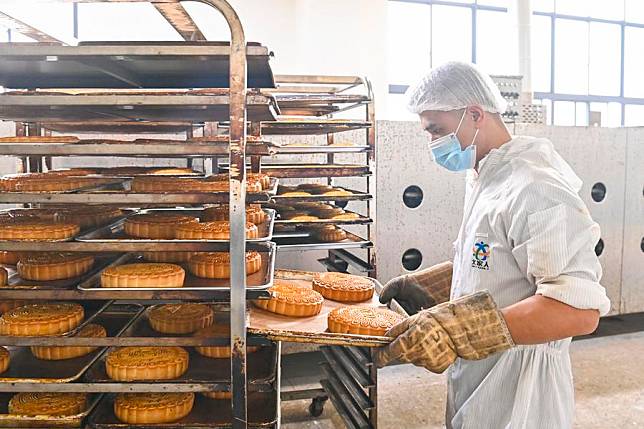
[{"x": 609, "y": 385}]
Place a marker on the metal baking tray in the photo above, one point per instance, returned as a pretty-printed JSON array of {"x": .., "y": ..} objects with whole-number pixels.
[
  {"x": 283, "y": 225},
  {"x": 105, "y": 147},
  {"x": 119, "y": 107},
  {"x": 262, "y": 372},
  {"x": 26, "y": 368},
  {"x": 312, "y": 329},
  {"x": 115, "y": 233},
  {"x": 105, "y": 183},
  {"x": 355, "y": 196},
  {"x": 312, "y": 127},
  {"x": 305, "y": 240},
  {"x": 292, "y": 171},
  {"x": 261, "y": 280},
  {"x": 293, "y": 149},
  {"x": 129, "y": 64},
  {"x": 133, "y": 199},
  {"x": 318, "y": 104},
  {"x": 121, "y": 127},
  {"x": 16, "y": 282},
  {"x": 18, "y": 421},
  {"x": 206, "y": 413}
]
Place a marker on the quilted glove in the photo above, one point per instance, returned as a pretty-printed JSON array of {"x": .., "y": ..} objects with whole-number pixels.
[
  {"x": 423, "y": 289},
  {"x": 470, "y": 327}
]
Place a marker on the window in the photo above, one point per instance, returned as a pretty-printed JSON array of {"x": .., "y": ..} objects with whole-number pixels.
[
  {"x": 408, "y": 41},
  {"x": 452, "y": 33},
  {"x": 634, "y": 115},
  {"x": 588, "y": 60}
]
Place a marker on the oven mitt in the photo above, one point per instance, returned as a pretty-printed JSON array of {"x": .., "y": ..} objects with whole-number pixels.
[
  {"x": 420, "y": 290},
  {"x": 470, "y": 327}
]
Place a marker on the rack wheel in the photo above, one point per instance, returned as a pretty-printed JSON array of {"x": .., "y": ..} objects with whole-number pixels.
[{"x": 317, "y": 406}]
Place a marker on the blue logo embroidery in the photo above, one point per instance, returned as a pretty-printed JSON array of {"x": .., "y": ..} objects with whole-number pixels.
[{"x": 481, "y": 256}]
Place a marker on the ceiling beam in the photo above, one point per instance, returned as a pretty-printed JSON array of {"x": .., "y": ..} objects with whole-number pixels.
[{"x": 179, "y": 18}]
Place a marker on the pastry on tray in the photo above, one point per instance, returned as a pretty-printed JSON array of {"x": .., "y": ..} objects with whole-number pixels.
[
  {"x": 4, "y": 276},
  {"x": 41, "y": 319},
  {"x": 362, "y": 320},
  {"x": 170, "y": 171},
  {"x": 146, "y": 363},
  {"x": 252, "y": 180},
  {"x": 328, "y": 213},
  {"x": 338, "y": 192},
  {"x": 152, "y": 408},
  {"x": 168, "y": 257},
  {"x": 176, "y": 184},
  {"x": 217, "y": 395},
  {"x": 180, "y": 318},
  {"x": 37, "y": 231},
  {"x": 216, "y": 265},
  {"x": 155, "y": 226},
  {"x": 90, "y": 330},
  {"x": 254, "y": 213},
  {"x": 296, "y": 194},
  {"x": 143, "y": 275},
  {"x": 47, "y": 404},
  {"x": 39, "y": 139},
  {"x": 53, "y": 183},
  {"x": 217, "y": 330},
  {"x": 215, "y": 230},
  {"x": 290, "y": 299},
  {"x": 346, "y": 216},
  {"x": 7, "y": 305},
  {"x": 49, "y": 266},
  {"x": 87, "y": 216},
  {"x": 8, "y": 257},
  {"x": 343, "y": 287},
  {"x": 5, "y": 358},
  {"x": 330, "y": 233}
]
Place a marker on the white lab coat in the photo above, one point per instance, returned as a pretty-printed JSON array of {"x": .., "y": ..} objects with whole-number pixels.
[{"x": 525, "y": 231}]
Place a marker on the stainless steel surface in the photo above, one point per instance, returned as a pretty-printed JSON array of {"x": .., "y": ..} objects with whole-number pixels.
[
  {"x": 115, "y": 233},
  {"x": 55, "y": 108},
  {"x": 128, "y": 64},
  {"x": 206, "y": 413},
  {"x": 261, "y": 280}
]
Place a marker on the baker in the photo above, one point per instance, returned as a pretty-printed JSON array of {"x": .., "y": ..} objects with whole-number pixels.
[{"x": 524, "y": 279}]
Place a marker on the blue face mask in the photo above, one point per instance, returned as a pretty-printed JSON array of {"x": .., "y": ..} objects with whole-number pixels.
[{"x": 448, "y": 153}]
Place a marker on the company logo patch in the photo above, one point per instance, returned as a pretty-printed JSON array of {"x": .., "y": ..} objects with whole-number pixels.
[{"x": 481, "y": 256}]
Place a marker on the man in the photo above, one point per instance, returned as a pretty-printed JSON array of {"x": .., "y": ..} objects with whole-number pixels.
[{"x": 525, "y": 278}]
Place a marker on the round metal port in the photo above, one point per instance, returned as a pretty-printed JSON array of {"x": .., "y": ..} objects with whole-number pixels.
[
  {"x": 598, "y": 192},
  {"x": 599, "y": 247},
  {"x": 411, "y": 259},
  {"x": 412, "y": 196}
]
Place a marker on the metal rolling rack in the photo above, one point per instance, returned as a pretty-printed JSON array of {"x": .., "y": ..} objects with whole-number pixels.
[
  {"x": 347, "y": 375},
  {"x": 103, "y": 67}
]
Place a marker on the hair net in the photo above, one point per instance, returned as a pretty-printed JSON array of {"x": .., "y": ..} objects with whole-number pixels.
[{"x": 452, "y": 86}]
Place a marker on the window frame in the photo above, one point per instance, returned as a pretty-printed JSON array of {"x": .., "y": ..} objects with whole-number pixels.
[{"x": 551, "y": 95}]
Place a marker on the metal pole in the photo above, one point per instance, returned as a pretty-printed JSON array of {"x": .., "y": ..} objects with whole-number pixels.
[{"x": 237, "y": 174}]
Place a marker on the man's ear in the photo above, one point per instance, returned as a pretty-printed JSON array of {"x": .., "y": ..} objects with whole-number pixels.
[{"x": 476, "y": 113}]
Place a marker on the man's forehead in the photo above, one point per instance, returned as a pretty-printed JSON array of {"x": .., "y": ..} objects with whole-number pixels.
[{"x": 432, "y": 119}]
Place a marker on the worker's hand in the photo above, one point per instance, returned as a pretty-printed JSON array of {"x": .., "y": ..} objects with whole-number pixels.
[
  {"x": 420, "y": 290},
  {"x": 470, "y": 327}
]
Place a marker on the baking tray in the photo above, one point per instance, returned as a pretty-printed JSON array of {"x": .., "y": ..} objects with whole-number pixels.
[
  {"x": 262, "y": 371},
  {"x": 261, "y": 280},
  {"x": 294, "y": 149},
  {"x": 206, "y": 413},
  {"x": 291, "y": 171},
  {"x": 18, "y": 421},
  {"x": 115, "y": 233},
  {"x": 312, "y": 127},
  {"x": 16, "y": 282},
  {"x": 355, "y": 196},
  {"x": 121, "y": 127},
  {"x": 285, "y": 224},
  {"x": 305, "y": 240},
  {"x": 25, "y": 368},
  {"x": 105, "y": 183},
  {"x": 312, "y": 329}
]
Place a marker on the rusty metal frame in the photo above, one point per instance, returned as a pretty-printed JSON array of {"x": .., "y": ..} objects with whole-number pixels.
[{"x": 180, "y": 20}]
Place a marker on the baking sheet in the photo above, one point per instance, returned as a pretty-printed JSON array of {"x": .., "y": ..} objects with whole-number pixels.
[
  {"x": 263, "y": 279},
  {"x": 115, "y": 232},
  {"x": 18, "y": 421},
  {"x": 101, "y": 260},
  {"x": 206, "y": 413},
  {"x": 305, "y": 240},
  {"x": 26, "y": 368},
  {"x": 355, "y": 195},
  {"x": 310, "y": 329},
  {"x": 262, "y": 370},
  {"x": 359, "y": 220}
]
